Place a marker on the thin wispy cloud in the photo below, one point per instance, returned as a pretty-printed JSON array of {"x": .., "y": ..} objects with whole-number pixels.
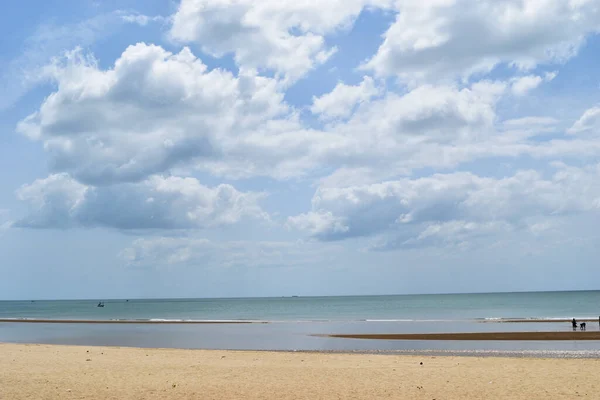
[{"x": 50, "y": 40}]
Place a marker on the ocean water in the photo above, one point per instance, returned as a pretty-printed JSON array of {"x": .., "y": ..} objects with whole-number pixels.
[
  {"x": 451, "y": 307},
  {"x": 296, "y": 323}
]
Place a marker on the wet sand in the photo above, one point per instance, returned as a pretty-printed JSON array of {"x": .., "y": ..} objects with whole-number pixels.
[
  {"x": 522, "y": 336},
  {"x": 71, "y": 372},
  {"x": 589, "y": 321}
]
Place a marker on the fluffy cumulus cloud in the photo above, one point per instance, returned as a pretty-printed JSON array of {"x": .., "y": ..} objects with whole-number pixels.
[
  {"x": 524, "y": 84},
  {"x": 442, "y": 114},
  {"x": 420, "y": 210},
  {"x": 430, "y": 159},
  {"x": 343, "y": 98},
  {"x": 155, "y": 111},
  {"x": 430, "y": 126},
  {"x": 152, "y": 111},
  {"x": 457, "y": 38},
  {"x": 401, "y": 131},
  {"x": 285, "y": 37},
  {"x": 204, "y": 253},
  {"x": 157, "y": 203}
]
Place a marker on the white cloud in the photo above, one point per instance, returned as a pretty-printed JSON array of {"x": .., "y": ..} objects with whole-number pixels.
[
  {"x": 455, "y": 234},
  {"x": 286, "y": 37},
  {"x": 155, "y": 111},
  {"x": 320, "y": 222},
  {"x": 182, "y": 251},
  {"x": 141, "y": 19},
  {"x": 430, "y": 126},
  {"x": 417, "y": 210},
  {"x": 589, "y": 121},
  {"x": 115, "y": 130},
  {"x": 457, "y": 38},
  {"x": 522, "y": 85},
  {"x": 396, "y": 132},
  {"x": 5, "y": 222},
  {"x": 530, "y": 122},
  {"x": 519, "y": 132},
  {"x": 442, "y": 127},
  {"x": 440, "y": 114},
  {"x": 340, "y": 102},
  {"x": 152, "y": 111},
  {"x": 157, "y": 203}
]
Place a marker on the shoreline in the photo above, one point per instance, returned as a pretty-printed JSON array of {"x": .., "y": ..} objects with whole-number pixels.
[
  {"x": 477, "y": 353},
  {"x": 476, "y": 336},
  {"x": 87, "y": 372},
  {"x": 122, "y": 321},
  {"x": 536, "y": 320},
  {"x": 255, "y": 321}
]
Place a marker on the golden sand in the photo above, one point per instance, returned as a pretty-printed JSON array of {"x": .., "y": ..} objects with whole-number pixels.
[{"x": 71, "y": 372}]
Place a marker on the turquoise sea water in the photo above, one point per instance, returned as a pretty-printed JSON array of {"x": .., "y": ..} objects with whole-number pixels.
[
  {"x": 351, "y": 308},
  {"x": 295, "y": 323}
]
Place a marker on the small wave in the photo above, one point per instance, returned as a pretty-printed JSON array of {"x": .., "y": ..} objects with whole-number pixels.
[
  {"x": 303, "y": 321},
  {"x": 165, "y": 320},
  {"x": 124, "y": 321},
  {"x": 18, "y": 319},
  {"x": 390, "y": 320},
  {"x": 409, "y": 320},
  {"x": 212, "y": 321}
]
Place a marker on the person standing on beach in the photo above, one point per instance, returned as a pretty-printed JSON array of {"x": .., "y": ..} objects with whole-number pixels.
[{"x": 574, "y": 323}]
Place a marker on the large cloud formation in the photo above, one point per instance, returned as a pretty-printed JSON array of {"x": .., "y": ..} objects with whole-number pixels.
[
  {"x": 157, "y": 203},
  {"x": 445, "y": 204},
  {"x": 381, "y": 151},
  {"x": 154, "y": 110},
  {"x": 439, "y": 39},
  {"x": 285, "y": 37}
]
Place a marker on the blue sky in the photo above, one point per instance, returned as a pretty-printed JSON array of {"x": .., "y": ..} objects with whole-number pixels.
[{"x": 202, "y": 148}]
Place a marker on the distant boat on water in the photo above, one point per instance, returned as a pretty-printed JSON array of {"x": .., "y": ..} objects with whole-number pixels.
[{"x": 100, "y": 304}]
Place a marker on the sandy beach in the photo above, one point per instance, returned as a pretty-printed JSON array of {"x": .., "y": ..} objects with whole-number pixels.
[{"x": 85, "y": 372}]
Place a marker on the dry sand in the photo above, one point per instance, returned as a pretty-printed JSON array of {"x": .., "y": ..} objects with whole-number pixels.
[{"x": 70, "y": 372}]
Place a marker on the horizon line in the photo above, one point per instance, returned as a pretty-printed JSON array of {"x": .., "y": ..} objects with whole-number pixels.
[{"x": 305, "y": 296}]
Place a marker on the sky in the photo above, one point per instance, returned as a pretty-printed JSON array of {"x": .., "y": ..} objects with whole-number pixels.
[{"x": 233, "y": 148}]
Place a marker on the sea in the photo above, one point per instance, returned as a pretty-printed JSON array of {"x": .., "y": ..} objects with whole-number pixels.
[{"x": 303, "y": 323}]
